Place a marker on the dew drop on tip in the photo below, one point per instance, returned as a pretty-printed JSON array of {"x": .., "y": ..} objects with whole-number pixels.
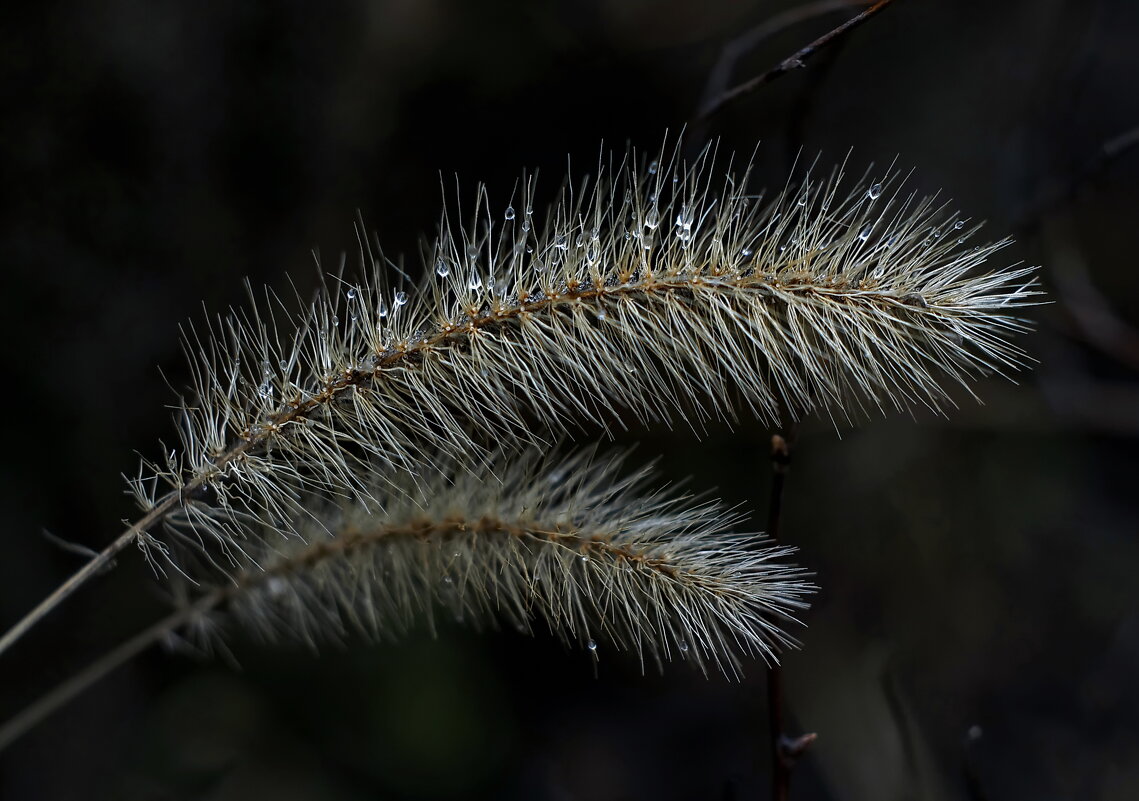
[
  {"x": 352, "y": 293},
  {"x": 560, "y": 242},
  {"x": 265, "y": 390},
  {"x": 864, "y": 234},
  {"x": 442, "y": 269},
  {"x": 652, "y": 218},
  {"x": 591, "y": 645},
  {"x": 509, "y": 213},
  {"x": 653, "y": 168},
  {"x": 593, "y": 251},
  {"x": 957, "y": 226},
  {"x": 874, "y": 192},
  {"x": 683, "y": 647},
  {"x": 382, "y": 309},
  {"x": 400, "y": 298}
]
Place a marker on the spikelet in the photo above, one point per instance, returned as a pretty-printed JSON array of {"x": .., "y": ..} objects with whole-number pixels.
[
  {"x": 574, "y": 545},
  {"x": 652, "y": 293}
]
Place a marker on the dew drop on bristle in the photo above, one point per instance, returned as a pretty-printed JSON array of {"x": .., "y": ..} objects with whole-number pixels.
[
  {"x": 653, "y": 168},
  {"x": 509, "y": 213},
  {"x": 400, "y": 298},
  {"x": 591, "y": 645},
  {"x": 874, "y": 192},
  {"x": 864, "y": 234},
  {"x": 442, "y": 269},
  {"x": 593, "y": 252},
  {"x": 652, "y": 218},
  {"x": 352, "y": 293}
]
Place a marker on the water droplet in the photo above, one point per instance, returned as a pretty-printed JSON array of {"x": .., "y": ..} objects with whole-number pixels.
[
  {"x": 957, "y": 226},
  {"x": 529, "y": 211},
  {"x": 265, "y": 390},
  {"x": 874, "y": 192},
  {"x": 509, "y": 213},
  {"x": 352, "y": 293},
  {"x": 472, "y": 252},
  {"x": 442, "y": 269},
  {"x": 683, "y": 647},
  {"x": 602, "y": 316},
  {"x": 802, "y": 201},
  {"x": 447, "y": 580},
  {"x": 591, "y": 645},
  {"x": 382, "y": 309},
  {"x": 593, "y": 252},
  {"x": 864, "y": 234},
  {"x": 476, "y": 280},
  {"x": 560, "y": 242},
  {"x": 684, "y": 218},
  {"x": 526, "y": 225},
  {"x": 653, "y": 167},
  {"x": 284, "y": 365},
  {"x": 652, "y": 217},
  {"x": 746, "y": 253},
  {"x": 400, "y": 298}
]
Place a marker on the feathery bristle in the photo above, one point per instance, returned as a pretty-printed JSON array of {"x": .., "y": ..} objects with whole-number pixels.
[
  {"x": 571, "y": 544},
  {"x": 651, "y": 293}
]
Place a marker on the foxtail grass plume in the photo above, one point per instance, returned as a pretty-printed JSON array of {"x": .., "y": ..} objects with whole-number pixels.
[
  {"x": 655, "y": 292},
  {"x": 575, "y": 546}
]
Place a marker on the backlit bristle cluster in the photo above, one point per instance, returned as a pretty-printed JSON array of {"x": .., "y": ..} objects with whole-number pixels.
[
  {"x": 653, "y": 292},
  {"x": 574, "y": 546}
]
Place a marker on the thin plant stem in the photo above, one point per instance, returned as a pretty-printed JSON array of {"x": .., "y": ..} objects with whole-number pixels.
[
  {"x": 795, "y": 61},
  {"x": 102, "y": 560},
  {"x": 94, "y": 566},
  {"x": 49, "y": 703},
  {"x": 785, "y": 750}
]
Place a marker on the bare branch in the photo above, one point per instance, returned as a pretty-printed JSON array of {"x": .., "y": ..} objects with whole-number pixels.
[{"x": 795, "y": 61}]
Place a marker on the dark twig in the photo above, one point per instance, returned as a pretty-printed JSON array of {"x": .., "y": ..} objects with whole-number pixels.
[
  {"x": 973, "y": 786},
  {"x": 796, "y": 61},
  {"x": 1109, "y": 152},
  {"x": 721, "y": 74},
  {"x": 785, "y": 750}
]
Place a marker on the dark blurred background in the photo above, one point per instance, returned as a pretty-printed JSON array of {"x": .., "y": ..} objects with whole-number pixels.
[{"x": 977, "y": 632}]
